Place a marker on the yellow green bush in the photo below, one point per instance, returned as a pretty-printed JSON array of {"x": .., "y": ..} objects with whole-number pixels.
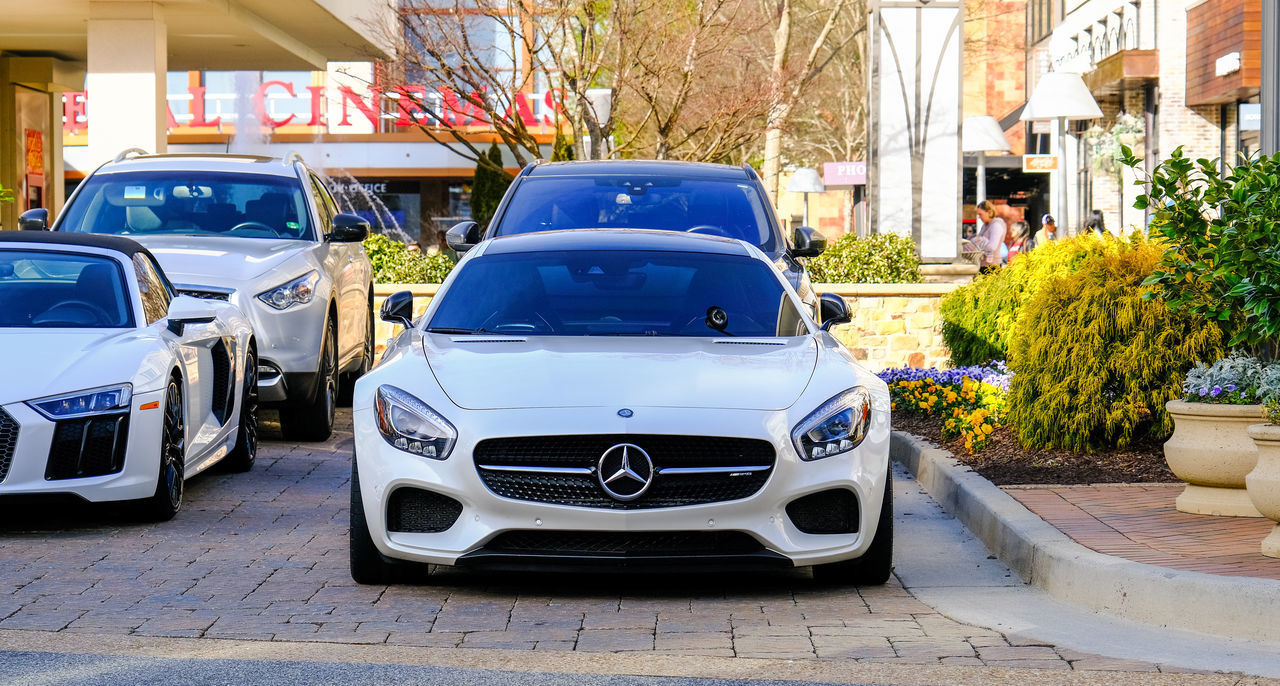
[
  {"x": 978, "y": 319},
  {"x": 1094, "y": 361}
]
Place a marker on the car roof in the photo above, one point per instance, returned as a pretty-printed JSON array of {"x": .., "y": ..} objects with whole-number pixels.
[
  {"x": 121, "y": 244},
  {"x": 699, "y": 170},
  {"x": 214, "y": 162},
  {"x": 614, "y": 239}
]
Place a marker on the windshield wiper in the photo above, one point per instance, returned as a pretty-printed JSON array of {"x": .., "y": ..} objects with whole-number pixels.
[{"x": 457, "y": 330}]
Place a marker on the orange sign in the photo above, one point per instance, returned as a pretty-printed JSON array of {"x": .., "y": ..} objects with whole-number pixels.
[
  {"x": 1039, "y": 163},
  {"x": 35, "y": 151}
]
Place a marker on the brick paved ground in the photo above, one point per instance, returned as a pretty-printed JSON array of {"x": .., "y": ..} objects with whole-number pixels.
[
  {"x": 263, "y": 556},
  {"x": 1139, "y": 522}
]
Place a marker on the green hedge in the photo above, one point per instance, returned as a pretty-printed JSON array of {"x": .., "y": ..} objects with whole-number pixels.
[
  {"x": 883, "y": 258},
  {"x": 1093, "y": 361},
  {"x": 978, "y": 318},
  {"x": 393, "y": 262}
]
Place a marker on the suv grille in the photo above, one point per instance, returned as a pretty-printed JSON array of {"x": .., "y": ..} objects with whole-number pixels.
[
  {"x": 8, "y": 442},
  {"x": 205, "y": 294},
  {"x": 624, "y": 543},
  {"x": 561, "y": 470}
]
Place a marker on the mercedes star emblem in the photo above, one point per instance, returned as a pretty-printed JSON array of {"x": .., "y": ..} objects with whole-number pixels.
[{"x": 625, "y": 472}]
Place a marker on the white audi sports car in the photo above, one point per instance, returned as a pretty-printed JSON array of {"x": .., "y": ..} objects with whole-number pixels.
[
  {"x": 114, "y": 387},
  {"x": 619, "y": 397}
]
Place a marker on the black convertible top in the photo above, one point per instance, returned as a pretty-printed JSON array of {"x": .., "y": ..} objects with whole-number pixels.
[{"x": 127, "y": 246}]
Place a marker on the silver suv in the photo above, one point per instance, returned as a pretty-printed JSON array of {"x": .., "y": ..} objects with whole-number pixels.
[{"x": 264, "y": 234}]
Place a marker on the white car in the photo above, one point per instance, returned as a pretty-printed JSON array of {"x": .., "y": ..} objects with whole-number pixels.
[
  {"x": 115, "y": 387},
  {"x": 263, "y": 234},
  {"x": 618, "y": 397}
]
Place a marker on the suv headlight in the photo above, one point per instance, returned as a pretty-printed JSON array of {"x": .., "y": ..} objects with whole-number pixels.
[
  {"x": 411, "y": 425},
  {"x": 836, "y": 427},
  {"x": 84, "y": 403},
  {"x": 299, "y": 291}
]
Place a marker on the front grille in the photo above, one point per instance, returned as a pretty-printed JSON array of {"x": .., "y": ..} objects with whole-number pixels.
[
  {"x": 413, "y": 510},
  {"x": 825, "y": 512},
  {"x": 8, "y": 442},
  {"x": 739, "y": 467},
  {"x": 623, "y": 543},
  {"x": 92, "y": 446},
  {"x": 223, "y": 394},
  {"x": 205, "y": 294}
]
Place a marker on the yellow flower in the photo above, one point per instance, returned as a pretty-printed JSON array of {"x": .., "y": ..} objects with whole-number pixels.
[{"x": 986, "y": 429}]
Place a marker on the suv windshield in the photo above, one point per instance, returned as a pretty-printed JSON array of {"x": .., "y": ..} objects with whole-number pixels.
[
  {"x": 718, "y": 207},
  {"x": 189, "y": 203},
  {"x": 57, "y": 290},
  {"x": 617, "y": 293}
]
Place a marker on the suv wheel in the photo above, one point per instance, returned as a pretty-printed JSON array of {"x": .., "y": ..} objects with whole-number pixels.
[
  {"x": 312, "y": 420},
  {"x": 366, "y": 363}
]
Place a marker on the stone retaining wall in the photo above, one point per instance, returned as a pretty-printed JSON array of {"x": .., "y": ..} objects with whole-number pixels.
[{"x": 893, "y": 324}]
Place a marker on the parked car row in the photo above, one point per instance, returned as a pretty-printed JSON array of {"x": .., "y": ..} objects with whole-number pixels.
[{"x": 174, "y": 294}]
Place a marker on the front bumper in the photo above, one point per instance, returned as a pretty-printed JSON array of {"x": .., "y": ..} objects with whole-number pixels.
[
  {"x": 485, "y": 516},
  {"x": 29, "y": 469}
]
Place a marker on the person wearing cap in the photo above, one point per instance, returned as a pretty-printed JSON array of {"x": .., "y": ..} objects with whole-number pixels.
[{"x": 1050, "y": 227}]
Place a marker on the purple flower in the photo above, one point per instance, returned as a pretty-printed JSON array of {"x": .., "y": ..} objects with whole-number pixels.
[
  {"x": 1231, "y": 388},
  {"x": 1217, "y": 391}
]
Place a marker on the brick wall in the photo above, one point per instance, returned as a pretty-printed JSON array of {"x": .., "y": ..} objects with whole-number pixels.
[{"x": 1193, "y": 128}]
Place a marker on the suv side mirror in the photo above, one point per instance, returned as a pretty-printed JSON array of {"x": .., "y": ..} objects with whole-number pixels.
[
  {"x": 398, "y": 309},
  {"x": 348, "y": 228},
  {"x": 34, "y": 220},
  {"x": 186, "y": 309},
  {"x": 463, "y": 236},
  {"x": 833, "y": 310},
  {"x": 807, "y": 242}
]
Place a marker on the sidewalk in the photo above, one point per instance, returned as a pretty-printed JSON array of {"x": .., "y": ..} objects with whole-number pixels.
[
  {"x": 1138, "y": 522},
  {"x": 1117, "y": 549}
]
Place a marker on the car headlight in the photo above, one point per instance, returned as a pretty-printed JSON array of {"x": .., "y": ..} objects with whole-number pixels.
[
  {"x": 299, "y": 291},
  {"x": 836, "y": 427},
  {"x": 411, "y": 425},
  {"x": 84, "y": 403}
]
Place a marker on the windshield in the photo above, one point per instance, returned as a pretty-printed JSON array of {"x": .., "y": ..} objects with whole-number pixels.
[
  {"x": 617, "y": 293},
  {"x": 718, "y": 207},
  {"x": 52, "y": 290},
  {"x": 190, "y": 203}
]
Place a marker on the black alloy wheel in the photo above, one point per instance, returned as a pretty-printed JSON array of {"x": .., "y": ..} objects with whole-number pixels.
[
  {"x": 366, "y": 362},
  {"x": 167, "y": 499},
  {"x": 368, "y": 564},
  {"x": 313, "y": 420},
  {"x": 243, "y": 455}
]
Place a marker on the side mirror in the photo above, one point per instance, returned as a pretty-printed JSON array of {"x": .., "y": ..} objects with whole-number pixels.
[
  {"x": 398, "y": 309},
  {"x": 185, "y": 310},
  {"x": 349, "y": 228},
  {"x": 807, "y": 242},
  {"x": 463, "y": 236},
  {"x": 34, "y": 220},
  {"x": 833, "y": 310}
]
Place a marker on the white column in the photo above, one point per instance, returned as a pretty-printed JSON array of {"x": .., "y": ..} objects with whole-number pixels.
[{"x": 125, "y": 80}]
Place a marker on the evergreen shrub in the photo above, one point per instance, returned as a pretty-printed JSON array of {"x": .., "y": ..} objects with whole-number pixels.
[
  {"x": 978, "y": 318},
  {"x": 1094, "y": 361},
  {"x": 393, "y": 262},
  {"x": 882, "y": 258},
  {"x": 488, "y": 186}
]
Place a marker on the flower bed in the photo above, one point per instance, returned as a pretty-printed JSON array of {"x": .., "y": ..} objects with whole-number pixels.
[{"x": 969, "y": 401}]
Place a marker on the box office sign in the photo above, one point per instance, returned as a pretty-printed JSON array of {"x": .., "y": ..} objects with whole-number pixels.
[{"x": 1039, "y": 164}]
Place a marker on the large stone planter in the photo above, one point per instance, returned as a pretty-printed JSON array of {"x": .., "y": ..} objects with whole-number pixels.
[
  {"x": 1211, "y": 450},
  {"x": 1264, "y": 481}
]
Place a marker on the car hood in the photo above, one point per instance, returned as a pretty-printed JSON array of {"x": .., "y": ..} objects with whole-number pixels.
[
  {"x": 218, "y": 260},
  {"x": 480, "y": 373},
  {"x": 42, "y": 362}
]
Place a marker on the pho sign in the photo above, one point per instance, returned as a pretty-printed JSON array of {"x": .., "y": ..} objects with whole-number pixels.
[
  {"x": 1039, "y": 164},
  {"x": 843, "y": 175}
]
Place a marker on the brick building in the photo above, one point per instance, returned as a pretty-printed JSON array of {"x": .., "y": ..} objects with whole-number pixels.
[{"x": 1166, "y": 73}]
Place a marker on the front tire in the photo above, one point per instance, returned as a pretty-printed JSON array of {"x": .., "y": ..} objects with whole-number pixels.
[
  {"x": 875, "y": 565},
  {"x": 368, "y": 565},
  {"x": 243, "y": 455},
  {"x": 167, "y": 499},
  {"x": 348, "y": 385},
  {"x": 313, "y": 419}
]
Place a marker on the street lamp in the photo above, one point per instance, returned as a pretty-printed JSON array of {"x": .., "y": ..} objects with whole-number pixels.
[
  {"x": 982, "y": 133},
  {"x": 1061, "y": 96},
  {"x": 805, "y": 180}
]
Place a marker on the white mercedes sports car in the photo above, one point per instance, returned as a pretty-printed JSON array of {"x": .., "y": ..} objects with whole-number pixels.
[
  {"x": 619, "y": 397},
  {"x": 114, "y": 387}
]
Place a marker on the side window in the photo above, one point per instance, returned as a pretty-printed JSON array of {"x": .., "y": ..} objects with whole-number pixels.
[
  {"x": 155, "y": 292},
  {"x": 329, "y": 202},
  {"x": 324, "y": 205}
]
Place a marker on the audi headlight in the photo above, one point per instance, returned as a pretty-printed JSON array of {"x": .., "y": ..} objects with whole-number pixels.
[
  {"x": 84, "y": 403},
  {"x": 411, "y": 425},
  {"x": 836, "y": 427},
  {"x": 299, "y": 291}
]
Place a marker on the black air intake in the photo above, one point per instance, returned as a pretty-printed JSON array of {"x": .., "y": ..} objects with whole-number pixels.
[
  {"x": 415, "y": 511},
  {"x": 825, "y": 512}
]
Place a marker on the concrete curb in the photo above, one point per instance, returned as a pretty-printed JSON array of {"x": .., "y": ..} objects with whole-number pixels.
[{"x": 1238, "y": 607}]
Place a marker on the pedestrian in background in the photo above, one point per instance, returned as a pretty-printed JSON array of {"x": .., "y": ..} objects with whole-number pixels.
[
  {"x": 1050, "y": 228},
  {"x": 1096, "y": 225},
  {"x": 990, "y": 237},
  {"x": 1021, "y": 232}
]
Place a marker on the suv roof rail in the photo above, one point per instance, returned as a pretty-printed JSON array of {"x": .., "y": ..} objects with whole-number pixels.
[
  {"x": 291, "y": 157},
  {"x": 124, "y": 154}
]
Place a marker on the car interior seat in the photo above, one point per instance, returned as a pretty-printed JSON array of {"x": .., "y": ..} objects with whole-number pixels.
[
  {"x": 272, "y": 209},
  {"x": 98, "y": 285},
  {"x": 220, "y": 216}
]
